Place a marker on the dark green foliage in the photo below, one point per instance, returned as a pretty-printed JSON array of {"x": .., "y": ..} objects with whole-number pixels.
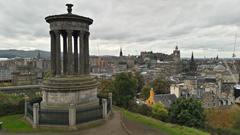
[
  {"x": 161, "y": 85},
  {"x": 11, "y": 104},
  {"x": 140, "y": 81},
  {"x": 123, "y": 89},
  {"x": 141, "y": 109},
  {"x": 14, "y": 104},
  {"x": 159, "y": 111},
  {"x": 187, "y": 111},
  {"x": 7, "y": 109}
]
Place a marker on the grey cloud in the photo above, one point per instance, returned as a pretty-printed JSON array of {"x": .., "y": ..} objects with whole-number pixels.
[{"x": 146, "y": 24}]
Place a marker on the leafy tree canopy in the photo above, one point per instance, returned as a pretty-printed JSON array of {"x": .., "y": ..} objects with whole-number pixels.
[
  {"x": 123, "y": 89},
  {"x": 187, "y": 111}
]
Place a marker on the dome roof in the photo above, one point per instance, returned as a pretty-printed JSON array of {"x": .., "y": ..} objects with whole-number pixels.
[
  {"x": 69, "y": 17},
  {"x": 219, "y": 68}
]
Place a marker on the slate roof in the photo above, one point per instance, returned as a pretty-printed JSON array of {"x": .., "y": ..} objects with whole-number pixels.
[{"x": 166, "y": 99}]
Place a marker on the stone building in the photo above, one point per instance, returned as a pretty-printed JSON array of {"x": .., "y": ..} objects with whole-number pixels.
[
  {"x": 165, "y": 99},
  {"x": 24, "y": 75},
  {"x": 175, "y": 56},
  {"x": 5, "y": 74}
]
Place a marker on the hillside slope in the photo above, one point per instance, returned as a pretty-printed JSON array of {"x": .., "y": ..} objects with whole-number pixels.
[
  {"x": 23, "y": 54},
  {"x": 164, "y": 128}
]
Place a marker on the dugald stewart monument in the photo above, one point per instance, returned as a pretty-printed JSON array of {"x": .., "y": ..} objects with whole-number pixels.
[{"x": 69, "y": 97}]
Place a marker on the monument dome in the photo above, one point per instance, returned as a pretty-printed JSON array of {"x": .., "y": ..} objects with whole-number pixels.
[{"x": 219, "y": 68}]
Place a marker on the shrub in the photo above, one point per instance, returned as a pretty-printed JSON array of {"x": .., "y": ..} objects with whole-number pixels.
[
  {"x": 141, "y": 109},
  {"x": 159, "y": 111},
  {"x": 187, "y": 111},
  {"x": 14, "y": 104},
  {"x": 223, "y": 117},
  {"x": 11, "y": 104}
]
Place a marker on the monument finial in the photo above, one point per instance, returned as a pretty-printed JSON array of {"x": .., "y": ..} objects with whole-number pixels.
[{"x": 69, "y": 9}]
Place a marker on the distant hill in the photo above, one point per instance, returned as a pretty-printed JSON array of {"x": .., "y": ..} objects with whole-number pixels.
[{"x": 12, "y": 53}]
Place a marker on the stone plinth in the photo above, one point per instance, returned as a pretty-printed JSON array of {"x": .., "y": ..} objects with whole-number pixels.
[{"x": 60, "y": 92}]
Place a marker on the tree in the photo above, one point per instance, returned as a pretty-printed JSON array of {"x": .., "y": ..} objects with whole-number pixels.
[
  {"x": 187, "y": 111},
  {"x": 104, "y": 88},
  {"x": 123, "y": 89},
  {"x": 159, "y": 111},
  {"x": 161, "y": 86},
  {"x": 140, "y": 81},
  {"x": 145, "y": 91}
]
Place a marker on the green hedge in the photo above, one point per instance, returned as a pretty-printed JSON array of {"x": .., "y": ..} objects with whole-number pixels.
[
  {"x": 11, "y": 104},
  {"x": 10, "y": 108},
  {"x": 14, "y": 104}
]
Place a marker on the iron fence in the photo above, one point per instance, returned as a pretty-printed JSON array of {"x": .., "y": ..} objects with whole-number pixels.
[
  {"x": 29, "y": 111},
  {"x": 108, "y": 105},
  {"x": 89, "y": 114},
  {"x": 54, "y": 117}
]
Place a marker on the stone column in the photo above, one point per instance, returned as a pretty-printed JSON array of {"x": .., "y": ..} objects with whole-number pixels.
[
  {"x": 53, "y": 52},
  {"x": 110, "y": 98},
  {"x": 86, "y": 50},
  {"x": 35, "y": 115},
  {"x": 75, "y": 53},
  {"x": 104, "y": 106},
  {"x": 70, "y": 55},
  {"x": 81, "y": 51},
  {"x": 65, "y": 53},
  {"x": 25, "y": 105},
  {"x": 58, "y": 53},
  {"x": 44, "y": 97},
  {"x": 72, "y": 116}
]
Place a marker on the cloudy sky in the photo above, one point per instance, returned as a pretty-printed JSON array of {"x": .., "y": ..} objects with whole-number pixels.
[{"x": 206, "y": 27}]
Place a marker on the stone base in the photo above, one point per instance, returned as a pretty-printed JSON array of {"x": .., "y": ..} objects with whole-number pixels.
[
  {"x": 65, "y": 107},
  {"x": 60, "y": 92}
]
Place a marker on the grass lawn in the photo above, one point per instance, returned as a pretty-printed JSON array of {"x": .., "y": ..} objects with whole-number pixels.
[
  {"x": 170, "y": 129},
  {"x": 17, "y": 124}
]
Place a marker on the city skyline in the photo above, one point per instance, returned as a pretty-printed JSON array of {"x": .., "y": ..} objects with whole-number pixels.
[{"x": 206, "y": 28}]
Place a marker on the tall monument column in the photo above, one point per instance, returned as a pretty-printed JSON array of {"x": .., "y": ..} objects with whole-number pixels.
[
  {"x": 58, "y": 53},
  {"x": 53, "y": 52},
  {"x": 86, "y": 49},
  {"x": 65, "y": 53},
  {"x": 75, "y": 53},
  {"x": 70, "y": 54},
  {"x": 82, "y": 53}
]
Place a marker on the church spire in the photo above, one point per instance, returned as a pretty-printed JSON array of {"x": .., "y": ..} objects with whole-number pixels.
[
  {"x": 121, "y": 53},
  {"x": 192, "y": 58}
]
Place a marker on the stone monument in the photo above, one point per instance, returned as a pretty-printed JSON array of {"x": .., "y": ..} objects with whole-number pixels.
[
  {"x": 69, "y": 97},
  {"x": 71, "y": 82}
]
